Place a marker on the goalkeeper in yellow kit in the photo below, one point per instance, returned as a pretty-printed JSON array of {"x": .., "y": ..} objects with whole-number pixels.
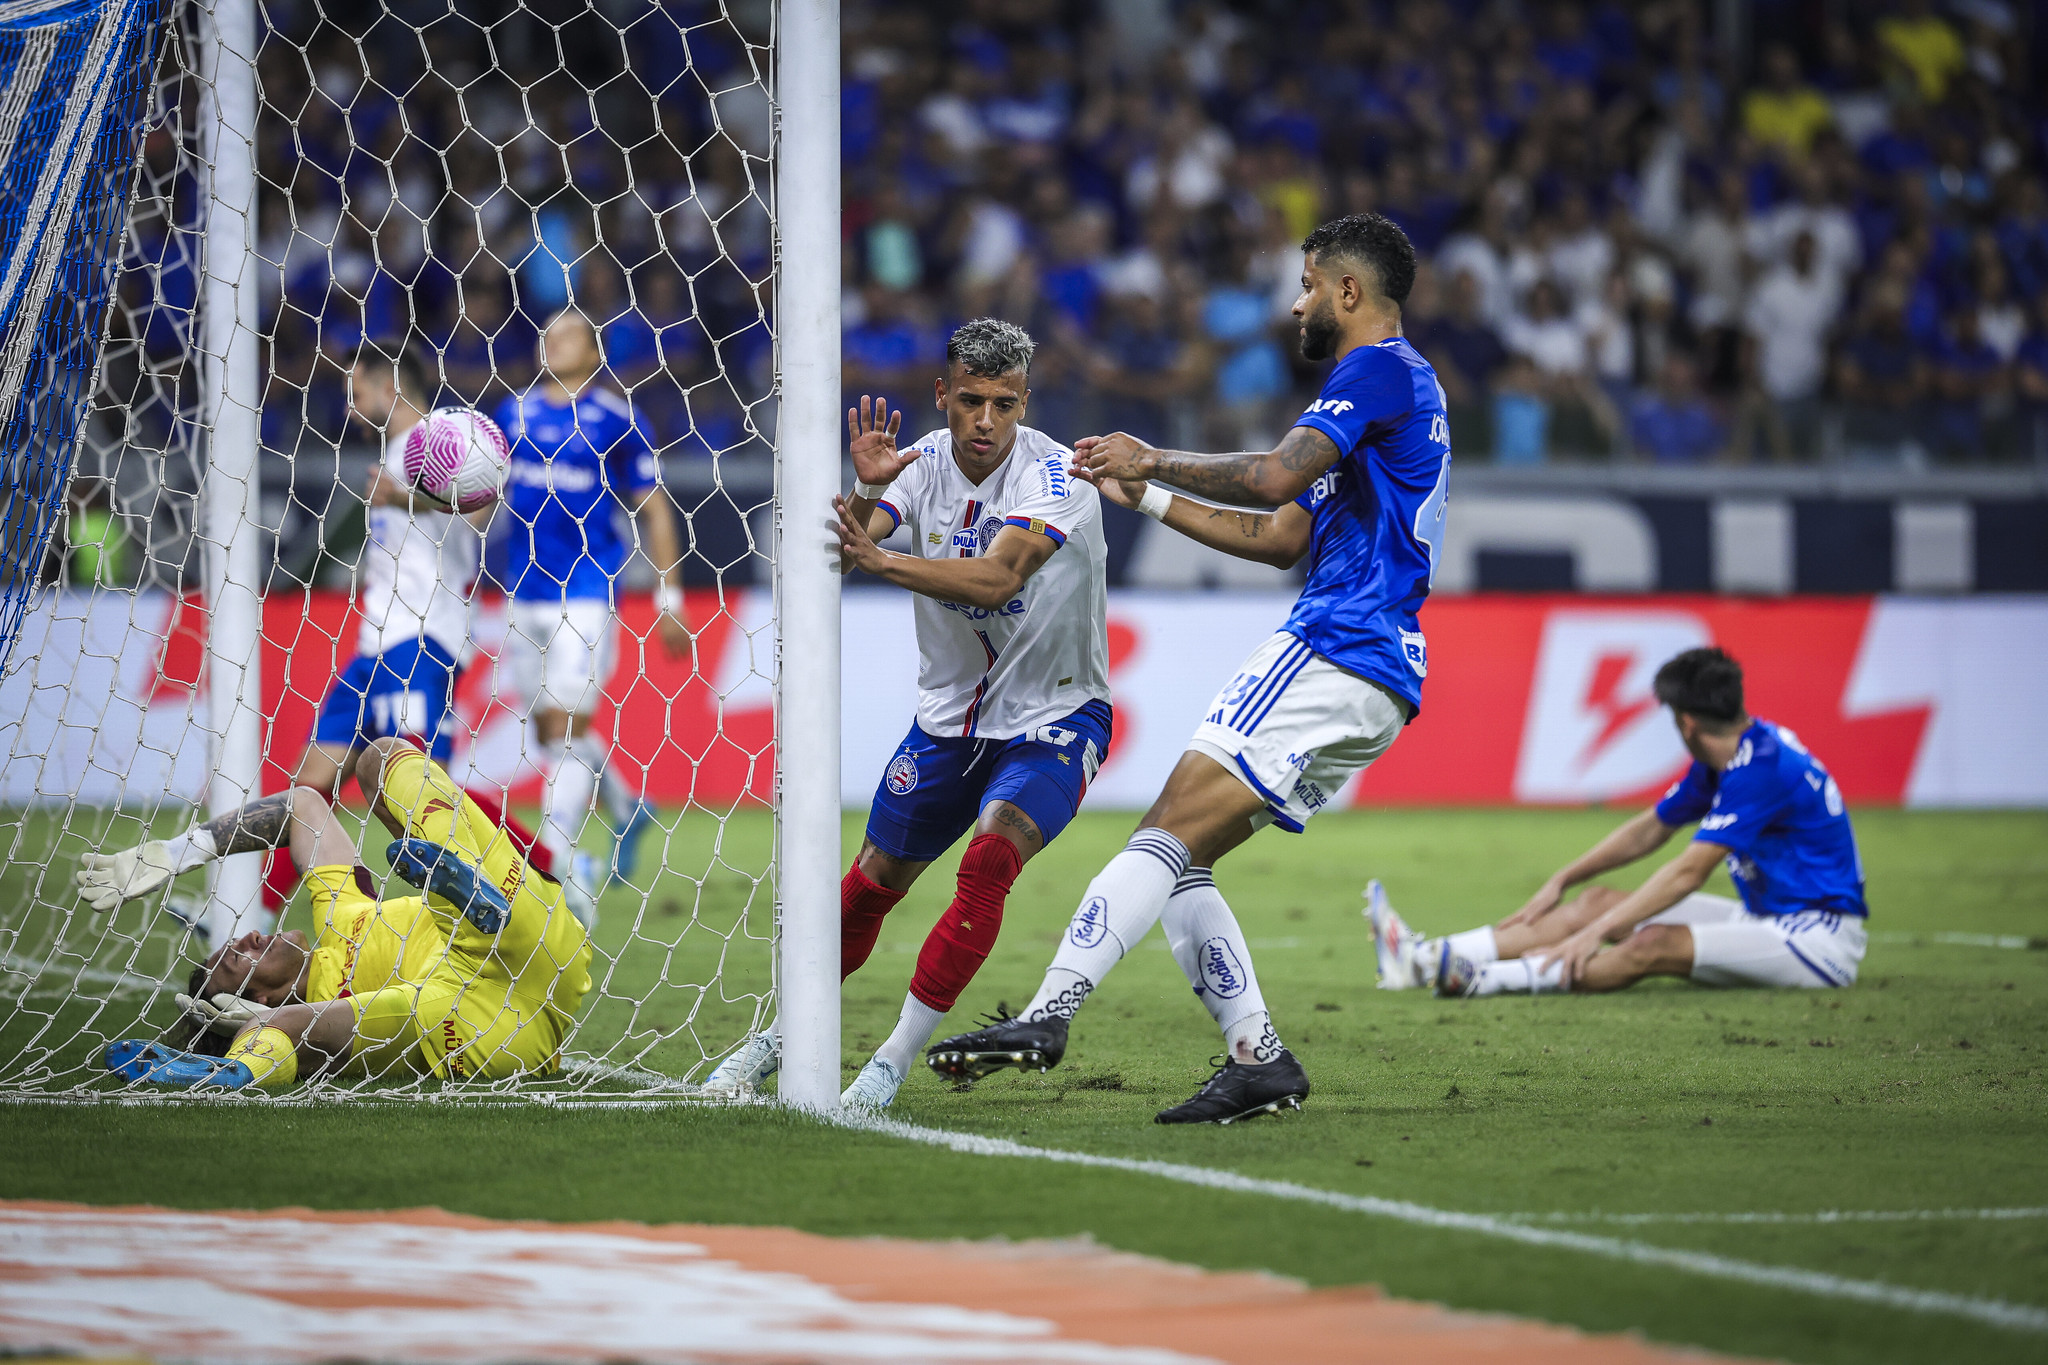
[{"x": 480, "y": 977}]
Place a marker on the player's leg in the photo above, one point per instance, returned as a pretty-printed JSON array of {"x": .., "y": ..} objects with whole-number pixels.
[
  {"x": 925, "y": 800},
  {"x": 1408, "y": 959},
  {"x": 1662, "y": 945},
  {"x": 577, "y": 659}
]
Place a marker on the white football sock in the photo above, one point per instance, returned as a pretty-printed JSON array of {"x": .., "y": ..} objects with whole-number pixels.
[
  {"x": 1120, "y": 907},
  {"x": 913, "y": 1030},
  {"x": 565, "y": 804},
  {"x": 613, "y": 793},
  {"x": 1211, "y": 950},
  {"x": 1520, "y": 976},
  {"x": 1476, "y": 946}
]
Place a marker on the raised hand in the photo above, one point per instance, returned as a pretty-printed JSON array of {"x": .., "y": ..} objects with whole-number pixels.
[
  {"x": 1116, "y": 456},
  {"x": 105, "y": 880},
  {"x": 871, "y": 441},
  {"x": 1123, "y": 492}
]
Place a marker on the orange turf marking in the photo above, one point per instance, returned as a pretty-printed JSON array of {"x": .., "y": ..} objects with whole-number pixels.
[{"x": 1102, "y": 1304}]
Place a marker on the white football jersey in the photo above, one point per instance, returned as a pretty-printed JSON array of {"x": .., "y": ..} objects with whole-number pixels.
[
  {"x": 997, "y": 674},
  {"x": 416, "y": 572}
]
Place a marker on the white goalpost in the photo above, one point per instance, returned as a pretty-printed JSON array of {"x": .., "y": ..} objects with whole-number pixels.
[{"x": 292, "y": 182}]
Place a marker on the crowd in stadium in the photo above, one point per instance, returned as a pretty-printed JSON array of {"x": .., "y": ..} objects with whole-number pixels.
[{"x": 1823, "y": 237}]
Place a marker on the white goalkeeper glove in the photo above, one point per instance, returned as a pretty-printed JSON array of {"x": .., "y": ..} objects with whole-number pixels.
[
  {"x": 225, "y": 1014},
  {"x": 105, "y": 880}
]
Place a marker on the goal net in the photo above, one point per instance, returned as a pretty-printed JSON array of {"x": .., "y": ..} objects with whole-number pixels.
[{"x": 213, "y": 213}]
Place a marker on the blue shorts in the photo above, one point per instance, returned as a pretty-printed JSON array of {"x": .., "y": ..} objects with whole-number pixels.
[
  {"x": 934, "y": 789},
  {"x": 407, "y": 692}
]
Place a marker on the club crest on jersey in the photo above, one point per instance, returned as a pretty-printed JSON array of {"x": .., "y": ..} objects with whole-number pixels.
[
  {"x": 1091, "y": 922},
  {"x": 901, "y": 775},
  {"x": 1415, "y": 650},
  {"x": 1222, "y": 974}
]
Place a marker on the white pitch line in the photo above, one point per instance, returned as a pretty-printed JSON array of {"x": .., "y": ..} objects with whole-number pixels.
[
  {"x": 1903, "y": 939},
  {"x": 1992, "y": 1312},
  {"x": 98, "y": 976},
  {"x": 1824, "y": 1216}
]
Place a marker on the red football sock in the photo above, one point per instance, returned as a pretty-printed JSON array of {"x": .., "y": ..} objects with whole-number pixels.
[
  {"x": 862, "y": 906},
  {"x": 960, "y": 942}
]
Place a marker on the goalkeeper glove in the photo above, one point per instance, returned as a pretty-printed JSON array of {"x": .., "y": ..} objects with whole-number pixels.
[
  {"x": 226, "y": 1013},
  {"x": 105, "y": 880}
]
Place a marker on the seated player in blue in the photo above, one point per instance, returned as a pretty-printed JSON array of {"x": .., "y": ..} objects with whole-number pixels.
[
  {"x": 1765, "y": 807},
  {"x": 1007, "y": 560},
  {"x": 1357, "y": 486}
]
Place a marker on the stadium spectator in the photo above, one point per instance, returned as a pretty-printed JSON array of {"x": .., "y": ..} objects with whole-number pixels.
[
  {"x": 1785, "y": 113},
  {"x": 1674, "y": 423},
  {"x": 1971, "y": 381},
  {"x": 1788, "y": 322},
  {"x": 1880, "y": 372},
  {"x": 1926, "y": 45}
]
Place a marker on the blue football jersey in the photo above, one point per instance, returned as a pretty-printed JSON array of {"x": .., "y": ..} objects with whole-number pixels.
[
  {"x": 570, "y": 464},
  {"x": 1781, "y": 818},
  {"x": 1379, "y": 516}
]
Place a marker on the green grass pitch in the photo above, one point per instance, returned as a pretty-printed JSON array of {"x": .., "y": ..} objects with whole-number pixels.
[{"x": 1920, "y": 1089}]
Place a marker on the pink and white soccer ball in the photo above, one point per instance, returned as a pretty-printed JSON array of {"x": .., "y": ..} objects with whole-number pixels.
[{"x": 458, "y": 457}]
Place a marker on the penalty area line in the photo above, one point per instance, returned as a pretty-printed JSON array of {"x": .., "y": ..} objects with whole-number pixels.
[
  {"x": 1823, "y": 1216},
  {"x": 1991, "y": 1312}
]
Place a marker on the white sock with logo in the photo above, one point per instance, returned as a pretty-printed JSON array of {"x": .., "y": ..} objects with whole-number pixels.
[
  {"x": 1120, "y": 907},
  {"x": 1520, "y": 976},
  {"x": 1210, "y": 948},
  {"x": 565, "y": 803},
  {"x": 1476, "y": 946},
  {"x": 913, "y": 1030}
]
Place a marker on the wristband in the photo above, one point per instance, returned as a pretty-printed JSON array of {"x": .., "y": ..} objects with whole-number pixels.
[
  {"x": 1156, "y": 503},
  {"x": 668, "y": 598},
  {"x": 873, "y": 492}
]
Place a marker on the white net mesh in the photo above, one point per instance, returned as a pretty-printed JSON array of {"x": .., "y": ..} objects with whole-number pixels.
[{"x": 434, "y": 182}]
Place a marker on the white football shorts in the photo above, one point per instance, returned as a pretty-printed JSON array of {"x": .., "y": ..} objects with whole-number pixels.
[
  {"x": 1731, "y": 947},
  {"x": 558, "y": 655},
  {"x": 1295, "y": 728}
]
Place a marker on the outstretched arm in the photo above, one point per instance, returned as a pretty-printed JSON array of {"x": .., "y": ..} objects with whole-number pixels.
[
  {"x": 298, "y": 818},
  {"x": 988, "y": 581},
  {"x": 1637, "y": 837},
  {"x": 1272, "y": 479},
  {"x": 1280, "y": 537}
]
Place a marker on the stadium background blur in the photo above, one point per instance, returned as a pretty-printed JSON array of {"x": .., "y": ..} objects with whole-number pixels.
[{"x": 1720, "y": 238}]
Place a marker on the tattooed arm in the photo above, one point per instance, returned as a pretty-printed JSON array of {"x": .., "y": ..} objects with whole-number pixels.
[
  {"x": 298, "y": 819},
  {"x": 1272, "y": 479},
  {"x": 263, "y": 824},
  {"x": 1280, "y": 537}
]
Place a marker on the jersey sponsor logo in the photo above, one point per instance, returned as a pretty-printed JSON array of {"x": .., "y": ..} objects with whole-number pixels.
[
  {"x": 1013, "y": 607},
  {"x": 1718, "y": 820},
  {"x": 1336, "y": 407},
  {"x": 1222, "y": 974},
  {"x": 1091, "y": 922},
  {"x": 967, "y": 540},
  {"x": 1415, "y": 650},
  {"x": 1324, "y": 486},
  {"x": 1052, "y": 473},
  {"x": 1593, "y": 730},
  {"x": 902, "y": 774},
  {"x": 1744, "y": 752},
  {"x": 1440, "y": 430},
  {"x": 1311, "y": 794},
  {"x": 569, "y": 478}
]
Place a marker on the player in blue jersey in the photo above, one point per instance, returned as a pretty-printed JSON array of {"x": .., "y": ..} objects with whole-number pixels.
[
  {"x": 580, "y": 462},
  {"x": 1765, "y": 807},
  {"x": 1358, "y": 487}
]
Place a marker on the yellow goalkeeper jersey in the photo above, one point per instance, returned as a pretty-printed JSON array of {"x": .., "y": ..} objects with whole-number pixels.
[{"x": 363, "y": 944}]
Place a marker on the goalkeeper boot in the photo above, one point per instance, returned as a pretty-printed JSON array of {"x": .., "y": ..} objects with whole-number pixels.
[
  {"x": 1400, "y": 966},
  {"x": 758, "y": 1057},
  {"x": 442, "y": 871},
  {"x": 875, "y": 1088},
  {"x": 1033, "y": 1045},
  {"x": 139, "y": 1061},
  {"x": 626, "y": 845},
  {"x": 1239, "y": 1090}
]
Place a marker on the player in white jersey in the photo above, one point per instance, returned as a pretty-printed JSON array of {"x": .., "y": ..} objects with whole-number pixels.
[
  {"x": 1013, "y": 714},
  {"x": 419, "y": 563}
]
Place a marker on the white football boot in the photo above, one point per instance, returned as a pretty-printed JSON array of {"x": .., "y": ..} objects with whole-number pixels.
[
  {"x": 758, "y": 1057},
  {"x": 875, "y": 1088},
  {"x": 1402, "y": 965}
]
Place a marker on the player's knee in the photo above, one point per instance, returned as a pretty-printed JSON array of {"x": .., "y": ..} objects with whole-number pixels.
[
  {"x": 1594, "y": 902},
  {"x": 891, "y": 874},
  {"x": 1008, "y": 821},
  {"x": 1659, "y": 949}
]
